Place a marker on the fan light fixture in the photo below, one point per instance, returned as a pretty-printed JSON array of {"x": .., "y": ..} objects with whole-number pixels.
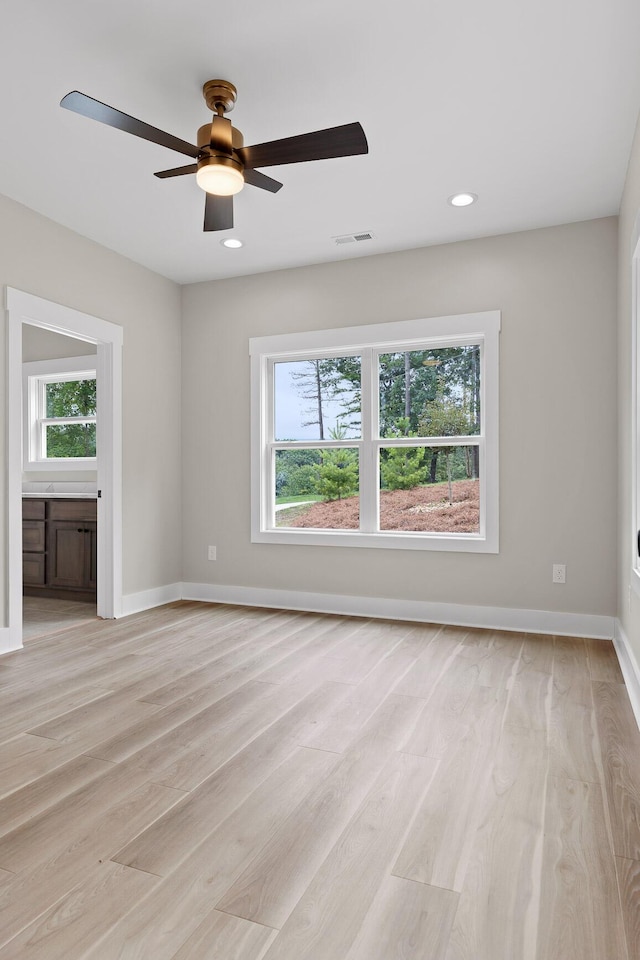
[{"x": 219, "y": 178}]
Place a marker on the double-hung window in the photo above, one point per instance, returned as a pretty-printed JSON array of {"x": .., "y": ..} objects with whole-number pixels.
[
  {"x": 378, "y": 436},
  {"x": 60, "y": 406}
]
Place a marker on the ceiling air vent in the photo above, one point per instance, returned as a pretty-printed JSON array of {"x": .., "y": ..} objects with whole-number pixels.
[{"x": 354, "y": 237}]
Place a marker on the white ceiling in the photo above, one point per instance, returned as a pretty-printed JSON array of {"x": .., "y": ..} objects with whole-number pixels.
[{"x": 532, "y": 106}]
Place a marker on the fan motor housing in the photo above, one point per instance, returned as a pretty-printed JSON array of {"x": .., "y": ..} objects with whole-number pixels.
[{"x": 204, "y": 138}]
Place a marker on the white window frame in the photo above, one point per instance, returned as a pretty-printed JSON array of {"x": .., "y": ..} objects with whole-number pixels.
[
  {"x": 35, "y": 377},
  {"x": 635, "y": 415},
  {"x": 368, "y": 341}
]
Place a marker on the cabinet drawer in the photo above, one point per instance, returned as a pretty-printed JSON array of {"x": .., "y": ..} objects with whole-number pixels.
[
  {"x": 33, "y": 535},
  {"x": 33, "y": 569},
  {"x": 73, "y": 509},
  {"x": 33, "y": 509}
]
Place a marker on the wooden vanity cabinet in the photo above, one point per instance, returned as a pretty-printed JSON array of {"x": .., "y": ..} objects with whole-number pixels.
[{"x": 59, "y": 542}]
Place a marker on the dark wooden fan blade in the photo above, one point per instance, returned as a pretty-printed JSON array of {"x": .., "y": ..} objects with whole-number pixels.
[
  {"x": 177, "y": 171},
  {"x": 257, "y": 179},
  {"x": 345, "y": 141},
  {"x": 88, "y": 107},
  {"x": 218, "y": 212}
]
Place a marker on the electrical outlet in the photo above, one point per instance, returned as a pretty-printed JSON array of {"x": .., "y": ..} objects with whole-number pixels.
[
  {"x": 211, "y": 553},
  {"x": 559, "y": 574}
]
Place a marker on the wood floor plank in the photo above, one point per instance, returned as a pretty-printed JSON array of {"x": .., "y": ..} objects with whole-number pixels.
[
  {"x": 35, "y": 890},
  {"x": 580, "y": 916},
  {"x": 85, "y": 726},
  {"x": 571, "y": 676},
  {"x": 41, "y": 710},
  {"x": 628, "y": 873},
  {"x": 222, "y": 937},
  {"x": 407, "y": 921},
  {"x": 620, "y": 745},
  {"x": 603, "y": 662},
  {"x": 169, "y": 841},
  {"x": 537, "y": 653},
  {"x": 573, "y": 742},
  {"x": 273, "y": 883},
  {"x": 25, "y": 758},
  {"x": 39, "y": 838},
  {"x": 235, "y": 672},
  {"x": 319, "y": 927},
  {"x": 157, "y": 927},
  {"x": 208, "y": 751},
  {"x": 498, "y": 907},
  {"x": 457, "y": 702},
  {"x": 47, "y": 790},
  {"x": 424, "y": 675},
  {"x": 343, "y": 726},
  {"x": 530, "y": 699},
  {"x": 438, "y": 846},
  {"x": 81, "y": 917}
]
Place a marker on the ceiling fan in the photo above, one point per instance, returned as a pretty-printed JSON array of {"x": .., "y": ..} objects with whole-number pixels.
[{"x": 223, "y": 164}]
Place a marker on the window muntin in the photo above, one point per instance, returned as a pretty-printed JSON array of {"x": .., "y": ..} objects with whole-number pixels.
[{"x": 449, "y": 436}]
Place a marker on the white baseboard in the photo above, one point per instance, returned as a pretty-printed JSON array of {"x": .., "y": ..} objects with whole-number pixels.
[
  {"x": 629, "y": 667},
  {"x": 9, "y": 640},
  {"x": 146, "y": 599},
  {"x": 459, "y": 614}
]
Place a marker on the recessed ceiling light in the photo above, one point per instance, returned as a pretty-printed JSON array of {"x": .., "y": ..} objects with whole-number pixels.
[
  {"x": 232, "y": 243},
  {"x": 462, "y": 199}
]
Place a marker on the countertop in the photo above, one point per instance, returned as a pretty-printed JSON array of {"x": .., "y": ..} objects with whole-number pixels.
[{"x": 59, "y": 496}]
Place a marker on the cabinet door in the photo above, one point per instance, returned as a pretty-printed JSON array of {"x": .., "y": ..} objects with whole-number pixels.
[
  {"x": 33, "y": 536},
  {"x": 66, "y": 556},
  {"x": 33, "y": 569}
]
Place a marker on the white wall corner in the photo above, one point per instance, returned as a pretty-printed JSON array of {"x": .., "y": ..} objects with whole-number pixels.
[
  {"x": 146, "y": 599},
  {"x": 629, "y": 667},
  {"x": 458, "y": 614}
]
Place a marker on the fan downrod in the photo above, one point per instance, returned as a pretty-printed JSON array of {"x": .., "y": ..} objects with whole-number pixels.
[{"x": 220, "y": 96}]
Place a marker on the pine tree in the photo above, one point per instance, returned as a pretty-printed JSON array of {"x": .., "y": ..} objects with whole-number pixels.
[
  {"x": 338, "y": 476},
  {"x": 402, "y": 467}
]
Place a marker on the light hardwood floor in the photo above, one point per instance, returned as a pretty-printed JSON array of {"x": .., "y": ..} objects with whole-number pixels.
[{"x": 205, "y": 782}]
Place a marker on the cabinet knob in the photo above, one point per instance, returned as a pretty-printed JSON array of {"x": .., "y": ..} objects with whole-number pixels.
[{"x": 80, "y": 530}]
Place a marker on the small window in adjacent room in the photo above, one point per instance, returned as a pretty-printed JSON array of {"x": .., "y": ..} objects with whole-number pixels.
[
  {"x": 378, "y": 436},
  {"x": 60, "y": 409}
]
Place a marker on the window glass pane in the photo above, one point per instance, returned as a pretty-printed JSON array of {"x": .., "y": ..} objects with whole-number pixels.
[
  {"x": 317, "y": 489},
  {"x": 432, "y": 489},
  {"x": 70, "y": 440},
  {"x": 71, "y": 398},
  {"x": 430, "y": 393},
  {"x": 317, "y": 399}
]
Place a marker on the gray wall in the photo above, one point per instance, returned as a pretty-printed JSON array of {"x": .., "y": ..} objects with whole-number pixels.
[
  {"x": 556, "y": 289},
  {"x": 47, "y": 260},
  {"x": 39, "y": 344}
]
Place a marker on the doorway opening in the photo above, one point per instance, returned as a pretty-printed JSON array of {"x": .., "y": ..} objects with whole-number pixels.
[{"x": 27, "y": 311}]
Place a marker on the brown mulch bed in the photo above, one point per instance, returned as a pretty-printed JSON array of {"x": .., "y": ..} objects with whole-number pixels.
[{"x": 423, "y": 508}]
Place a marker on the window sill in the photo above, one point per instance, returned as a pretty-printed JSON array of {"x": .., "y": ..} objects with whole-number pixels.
[
  {"x": 461, "y": 543},
  {"x": 68, "y": 465}
]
